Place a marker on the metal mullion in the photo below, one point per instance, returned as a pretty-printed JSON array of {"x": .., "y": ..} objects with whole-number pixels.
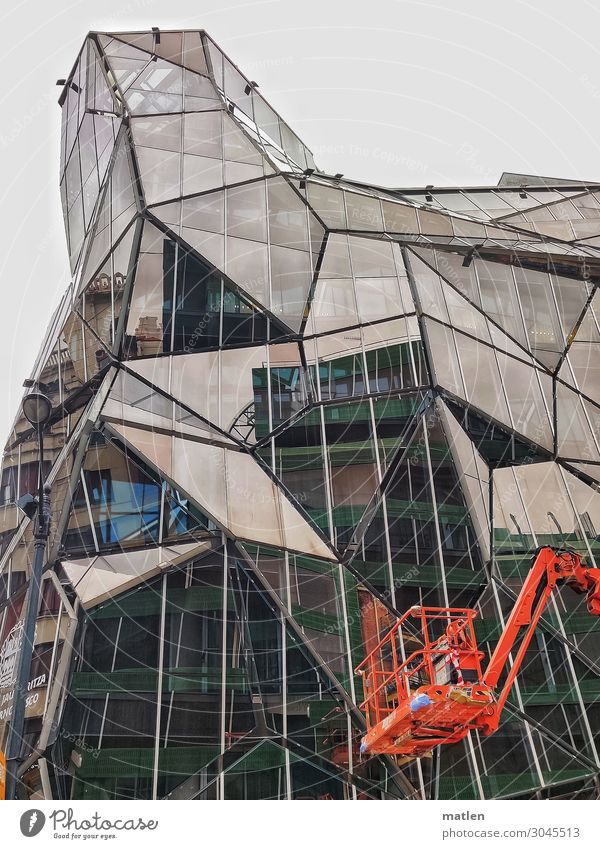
[
  {"x": 221, "y": 306},
  {"x": 503, "y": 390},
  {"x": 269, "y": 273},
  {"x": 545, "y": 659},
  {"x": 284, "y": 688},
  {"x": 112, "y": 669},
  {"x": 413, "y": 520},
  {"x": 172, "y": 697},
  {"x": 270, "y": 406},
  {"x": 479, "y": 748},
  {"x": 474, "y": 765},
  {"x": 221, "y": 776},
  {"x": 549, "y": 413},
  {"x": 89, "y": 509},
  {"x": 516, "y": 683},
  {"x": 388, "y": 546},
  {"x": 58, "y": 348},
  {"x": 174, "y": 295},
  {"x": 161, "y": 517},
  {"x": 405, "y": 317},
  {"x": 435, "y": 511},
  {"x": 595, "y": 439},
  {"x": 428, "y": 358},
  {"x": 53, "y": 656},
  {"x": 568, "y": 726},
  {"x": 112, "y": 296},
  {"x": 181, "y": 149},
  {"x": 561, "y": 472},
  {"x": 161, "y": 654},
  {"x": 18, "y": 482},
  {"x": 327, "y": 477},
  {"x": 314, "y": 265},
  {"x": 517, "y": 690},
  {"x": 350, "y": 755},
  {"x": 520, "y": 305},
  {"x": 342, "y": 586}
]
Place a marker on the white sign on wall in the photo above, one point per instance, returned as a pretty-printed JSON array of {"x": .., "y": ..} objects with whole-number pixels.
[{"x": 9, "y": 654}]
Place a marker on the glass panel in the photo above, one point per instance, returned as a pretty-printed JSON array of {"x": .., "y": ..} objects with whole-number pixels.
[
  {"x": 432, "y": 224},
  {"x": 525, "y": 401},
  {"x": 482, "y": 378},
  {"x": 328, "y": 203},
  {"x": 247, "y": 212},
  {"x": 445, "y": 358},
  {"x": 575, "y": 436},
  {"x": 288, "y": 222},
  {"x": 544, "y": 334},
  {"x": 499, "y": 298},
  {"x": 399, "y": 218},
  {"x": 364, "y": 212},
  {"x": 429, "y": 288},
  {"x": 371, "y": 257},
  {"x": 291, "y": 278},
  {"x": 584, "y": 359}
]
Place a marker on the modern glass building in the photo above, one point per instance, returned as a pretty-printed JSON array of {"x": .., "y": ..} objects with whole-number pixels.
[{"x": 287, "y": 407}]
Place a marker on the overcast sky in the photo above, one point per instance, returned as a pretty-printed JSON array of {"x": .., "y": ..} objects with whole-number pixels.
[{"x": 400, "y": 93}]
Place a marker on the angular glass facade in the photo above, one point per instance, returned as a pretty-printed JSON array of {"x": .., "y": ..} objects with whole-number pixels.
[{"x": 287, "y": 407}]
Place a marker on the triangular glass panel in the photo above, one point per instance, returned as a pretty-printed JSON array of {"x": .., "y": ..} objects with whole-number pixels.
[
  {"x": 118, "y": 207},
  {"x": 134, "y": 402},
  {"x": 140, "y": 40},
  {"x": 581, "y": 368},
  {"x": 120, "y": 503},
  {"x": 99, "y": 96},
  {"x": 180, "y": 303},
  {"x": 101, "y": 301},
  {"x": 268, "y": 517},
  {"x": 233, "y": 386},
  {"x": 125, "y": 62},
  {"x": 497, "y": 445},
  {"x": 473, "y": 475}
]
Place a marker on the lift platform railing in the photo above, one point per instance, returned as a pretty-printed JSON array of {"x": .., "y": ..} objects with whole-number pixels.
[{"x": 448, "y": 646}]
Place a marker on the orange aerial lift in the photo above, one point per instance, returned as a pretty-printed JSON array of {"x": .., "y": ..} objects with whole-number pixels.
[{"x": 437, "y": 693}]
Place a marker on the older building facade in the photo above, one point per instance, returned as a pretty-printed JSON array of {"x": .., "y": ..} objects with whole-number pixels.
[{"x": 287, "y": 407}]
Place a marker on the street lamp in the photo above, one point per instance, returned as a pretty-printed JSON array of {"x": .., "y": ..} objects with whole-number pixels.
[{"x": 37, "y": 409}]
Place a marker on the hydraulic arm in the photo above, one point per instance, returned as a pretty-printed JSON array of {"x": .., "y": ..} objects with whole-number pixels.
[
  {"x": 549, "y": 569},
  {"x": 437, "y": 693}
]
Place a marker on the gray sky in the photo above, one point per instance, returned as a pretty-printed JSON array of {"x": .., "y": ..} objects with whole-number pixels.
[{"x": 395, "y": 92}]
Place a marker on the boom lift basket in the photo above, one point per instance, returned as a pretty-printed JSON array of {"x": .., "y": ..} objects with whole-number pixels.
[
  {"x": 423, "y": 691},
  {"x": 418, "y": 698}
]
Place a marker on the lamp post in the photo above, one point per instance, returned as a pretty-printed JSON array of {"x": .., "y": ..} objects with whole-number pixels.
[{"x": 37, "y": 409}]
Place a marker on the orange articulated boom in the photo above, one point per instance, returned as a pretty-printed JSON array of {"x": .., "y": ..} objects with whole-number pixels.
[
  {"x": 549, "y": 568},
  {"x": 423, "y": 693}
]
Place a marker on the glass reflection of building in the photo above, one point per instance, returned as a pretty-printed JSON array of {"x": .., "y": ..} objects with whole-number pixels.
[{"x": 288, "y": 406}]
